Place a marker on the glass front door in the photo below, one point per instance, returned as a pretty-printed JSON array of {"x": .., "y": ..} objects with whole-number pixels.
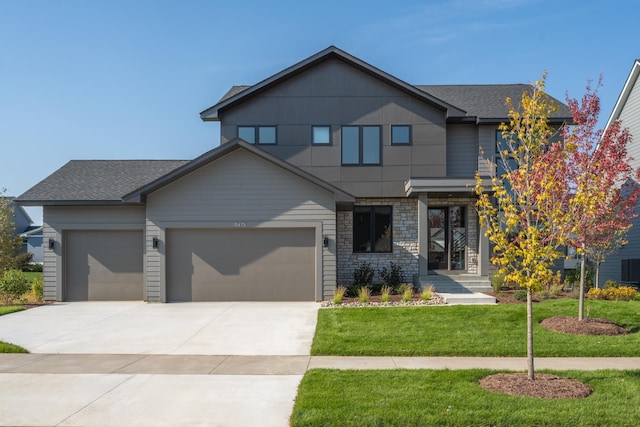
[{"x": 447, "y": 238}]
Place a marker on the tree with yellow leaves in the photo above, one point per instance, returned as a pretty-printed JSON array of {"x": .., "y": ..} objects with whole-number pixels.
[{"x": 523, "y": 210}]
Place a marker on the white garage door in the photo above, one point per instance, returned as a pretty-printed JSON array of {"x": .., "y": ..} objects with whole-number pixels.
[
  {"x": 243, "y": 264},
  {"x": 103, "y": 265}
]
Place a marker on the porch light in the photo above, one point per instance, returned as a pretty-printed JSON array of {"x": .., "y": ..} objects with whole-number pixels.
[
  {"x": 154, "y": 243},
  {"x": 52, "y": 244},
  {"x": 325, "y": 242}
]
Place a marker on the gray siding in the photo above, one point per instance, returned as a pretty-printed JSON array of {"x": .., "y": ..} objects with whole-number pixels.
[
  {"x": 462, "y": 151},
  {"x": 57, "y": 219},
  {"x": 630, "y": 117},
  {"x": 334, "y": 93},
  {"x": 240, "y": 190}
]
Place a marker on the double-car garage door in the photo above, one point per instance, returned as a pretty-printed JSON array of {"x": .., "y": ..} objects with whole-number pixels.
[{"x": 240, "y": 264}]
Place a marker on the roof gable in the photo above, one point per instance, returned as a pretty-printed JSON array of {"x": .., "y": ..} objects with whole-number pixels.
[
  {"x": 626, "y": 91},
  {"x": 238, "y": 94},
  {"x": 139, "y": 195}
]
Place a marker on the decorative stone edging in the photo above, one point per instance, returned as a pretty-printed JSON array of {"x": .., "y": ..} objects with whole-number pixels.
[{"x": 435, "y": 300}]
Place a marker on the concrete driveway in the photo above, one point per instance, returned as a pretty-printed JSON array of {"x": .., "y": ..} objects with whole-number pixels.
[
  {"x": 220, "y": 328},
  {"x": 131, "y": 363}
]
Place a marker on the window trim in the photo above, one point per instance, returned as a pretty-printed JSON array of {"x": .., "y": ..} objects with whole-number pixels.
[
  {"x": 361, "y": 145},
  {"x": 321, "y": 143},
  {"x": 256, "y": 133},
  {"x": 371, "y": 209},
  {"x": 410, "y": 142}
]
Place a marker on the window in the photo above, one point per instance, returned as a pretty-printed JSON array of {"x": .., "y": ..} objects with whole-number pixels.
[
  {"x": 361, "y": 145},
  {"x": 400, "y": 134},
  {"x": 321, "y": 135},
  {"x": 372, "y": 229},
  {"x": 257, "y": 134}
]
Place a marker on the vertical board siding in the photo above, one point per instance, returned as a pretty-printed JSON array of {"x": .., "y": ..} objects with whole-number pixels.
[
  {"x": 239, "y": 188},
  {"x": 58, "y": 219},
  {"x": 462, "y": 151}
]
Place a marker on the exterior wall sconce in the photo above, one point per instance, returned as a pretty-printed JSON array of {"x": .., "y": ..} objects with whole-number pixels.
[
  {"x": 155, "y": 242},
  {"x": 52, "y": 244},
  {"x": 325, "y": 242}
]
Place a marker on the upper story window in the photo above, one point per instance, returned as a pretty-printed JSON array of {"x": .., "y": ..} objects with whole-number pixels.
[
  {"x": 321, "y": 135},
  {"x": 372, "y": 229},
  {"x": 361, "y": 145},
  {"x": 401, "y": 134},
  {"x": 258, "y": 134}
]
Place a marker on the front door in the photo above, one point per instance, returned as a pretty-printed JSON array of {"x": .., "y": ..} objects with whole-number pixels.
[{"x": 447, "y": 238}]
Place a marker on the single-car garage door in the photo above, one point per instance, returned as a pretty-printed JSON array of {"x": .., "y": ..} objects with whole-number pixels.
[
  {"x": 241, "y": 264},
  {"x": 103, "y": 265}
]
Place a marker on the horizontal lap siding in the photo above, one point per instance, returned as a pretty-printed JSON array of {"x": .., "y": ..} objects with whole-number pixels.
[
  {"x": 57, "y": 219},
  {"x": 239, "y": 188}
]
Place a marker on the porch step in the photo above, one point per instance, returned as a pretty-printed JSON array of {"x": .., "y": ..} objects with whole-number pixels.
[{"x": 460, "y": 288}]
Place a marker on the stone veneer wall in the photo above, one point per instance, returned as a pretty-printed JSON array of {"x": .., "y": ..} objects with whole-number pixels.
[
  {"x": 472, "y": 227},
  {"x": 405, "y": 240}
]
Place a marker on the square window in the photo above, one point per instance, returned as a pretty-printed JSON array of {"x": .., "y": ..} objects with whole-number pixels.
[
  {"x": 321, "y": 134},
  {"x": 400, "y": 134},
  {"x": 266, "y": 135},
  {"x": 248, "y": 133},
  {"x": 372, "y": 229}
]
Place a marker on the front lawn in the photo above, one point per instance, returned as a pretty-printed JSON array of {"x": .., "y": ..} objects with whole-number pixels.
[
  {"x": 453, "y": 398},
  {"x": 6, "y": 347},
  {"x": 496, "y": 330}
]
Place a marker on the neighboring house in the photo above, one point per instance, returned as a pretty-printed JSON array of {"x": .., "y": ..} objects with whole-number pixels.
[
  {"x": 31, "y": 234},
  {"x": 625, "y": 264},
  {"x": 323, "y": 166}
]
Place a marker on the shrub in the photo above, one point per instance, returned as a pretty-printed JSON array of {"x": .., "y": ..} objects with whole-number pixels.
[
  {"x": 35, "y": 268},
  {"x": 363, "y": 275},
  {"x": 426, "y": 293},
  {"x": 377, "y": 287},
  {"x": 620, "y": 293},
  {"x": 497, "y": 282},
  {"x": 520, "y": 294},
  {"x": 37, "y": 289},
  {"x": 610, "y": 284},
  {"x": 13, "y": 284},
  {"x": 393, "y": 276},
  {"x": 573, "y": 276},
  {"x": 23, "y": 261},
  {"x": 364, "y": 294},
  {"x": 385, "y": 293},
  {"x": 338, "y": 295}
]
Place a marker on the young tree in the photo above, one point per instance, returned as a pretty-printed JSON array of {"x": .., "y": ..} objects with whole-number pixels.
[
  {"x": 603, "y": 184},
  {"x": 9, "y": 242},
  {"x": 523, "y": 210}
]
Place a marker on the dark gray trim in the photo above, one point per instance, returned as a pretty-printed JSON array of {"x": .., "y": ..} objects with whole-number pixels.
[
  {"x": 322, "y": 144},
  {"x": 139, "y": 195},
  {"x": 401, "y": 143},
  {"x": 212, "y": 113}
]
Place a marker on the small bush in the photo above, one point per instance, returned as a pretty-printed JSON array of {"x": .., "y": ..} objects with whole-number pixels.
[
  {"x": 497, "y": 282},
  {"x": 610, "y": 284},
  {"x": 35, "y": 268},
  {"x": 393, "y": 276},
  {"x": 364, "y": 294},
  {"x": 407, "y": 293},
  {"x": 520, "y": 294},
  {"x": 377, "y": 287},
  {"x": 13, "y": 284},
  {"x": 338, "y": 295},
  {"x": 23, "y": 261},
  {"x": 37, "y": 290},
  {"x": 363, "y": 275},
  {"x": 620, "y": 293},
  {"x": 426, "y": 293},
  {"x": 385, "y": 293}
]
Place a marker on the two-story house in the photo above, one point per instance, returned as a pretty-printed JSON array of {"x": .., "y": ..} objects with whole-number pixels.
[{"x": 323, "y": 166}]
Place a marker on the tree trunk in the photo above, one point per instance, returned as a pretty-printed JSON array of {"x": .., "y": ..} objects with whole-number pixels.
[
  {"x": 583, "y": 264},
  {"x": 596, "y": 280},
  {"x": 531, "y": 371}
]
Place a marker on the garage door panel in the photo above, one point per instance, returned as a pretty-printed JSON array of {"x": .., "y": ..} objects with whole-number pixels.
[
  {"x": 103, "y": 265},
  {"x": 241, "y": 265}
]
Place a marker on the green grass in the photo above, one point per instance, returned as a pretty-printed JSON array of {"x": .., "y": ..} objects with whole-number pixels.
[
  {"x": 6, "y": 347},
  {"x": 497, "y": 330},
  {"x": 33, "y": 275},
  {"x": 453, "y": 398}
]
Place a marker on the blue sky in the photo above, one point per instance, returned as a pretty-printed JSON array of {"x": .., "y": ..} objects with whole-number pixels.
[{"x": 127, "y": 79}]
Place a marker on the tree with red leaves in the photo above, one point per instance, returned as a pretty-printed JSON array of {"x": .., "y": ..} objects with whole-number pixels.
[{"x": 604, "y": 185}]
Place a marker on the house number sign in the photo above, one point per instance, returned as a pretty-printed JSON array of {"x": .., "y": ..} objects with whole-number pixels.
[{"x": 239, "y": 224}]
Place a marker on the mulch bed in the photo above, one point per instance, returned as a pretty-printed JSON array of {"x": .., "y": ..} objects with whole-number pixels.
[
  {"x": 571, "y": 325},
  {"x": 545, "y": 386}
]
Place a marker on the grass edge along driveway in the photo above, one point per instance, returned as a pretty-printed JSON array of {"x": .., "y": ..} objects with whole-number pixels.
[
  {"x": 468, "y": 330},
  {"x": 7, "y": 347},
  {"x": 427, "y": 397}
]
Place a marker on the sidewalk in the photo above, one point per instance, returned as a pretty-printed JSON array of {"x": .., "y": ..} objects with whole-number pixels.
[{"x": 134, "y": 364}]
